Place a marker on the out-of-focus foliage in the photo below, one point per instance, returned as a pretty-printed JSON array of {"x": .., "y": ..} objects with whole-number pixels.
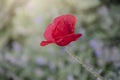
[{"x": 22, "y": 23}]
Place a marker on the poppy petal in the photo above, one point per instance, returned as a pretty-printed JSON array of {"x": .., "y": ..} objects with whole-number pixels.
[
  {"x": 44, "y": 43},
  {"x": 62, "y": 41},
  {"x": 70, "y": 21},
  {"x": 48, "y": 32},
  {"x": 64, "y": 25}
]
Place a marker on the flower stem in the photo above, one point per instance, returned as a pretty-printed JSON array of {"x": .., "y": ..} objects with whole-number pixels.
[{"x": 88, "y": 68}]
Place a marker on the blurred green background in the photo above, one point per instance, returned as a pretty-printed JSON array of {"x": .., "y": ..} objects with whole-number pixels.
[{"x": 22, "y": 24}]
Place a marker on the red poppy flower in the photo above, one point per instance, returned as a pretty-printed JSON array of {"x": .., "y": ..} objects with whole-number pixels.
[{"x": 61, "y": 31}]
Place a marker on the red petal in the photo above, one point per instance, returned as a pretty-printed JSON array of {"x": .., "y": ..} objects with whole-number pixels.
[
  {"x": 63, "y": 41},
  {"x": 48, "y": 32},
  {"x": 64, "y": 25},
  {"x": 44, "y": 43},
  {"x": 70, "y": 20}
]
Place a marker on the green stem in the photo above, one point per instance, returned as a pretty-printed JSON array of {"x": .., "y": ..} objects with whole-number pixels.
[{"x": 88, "y": 68}]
